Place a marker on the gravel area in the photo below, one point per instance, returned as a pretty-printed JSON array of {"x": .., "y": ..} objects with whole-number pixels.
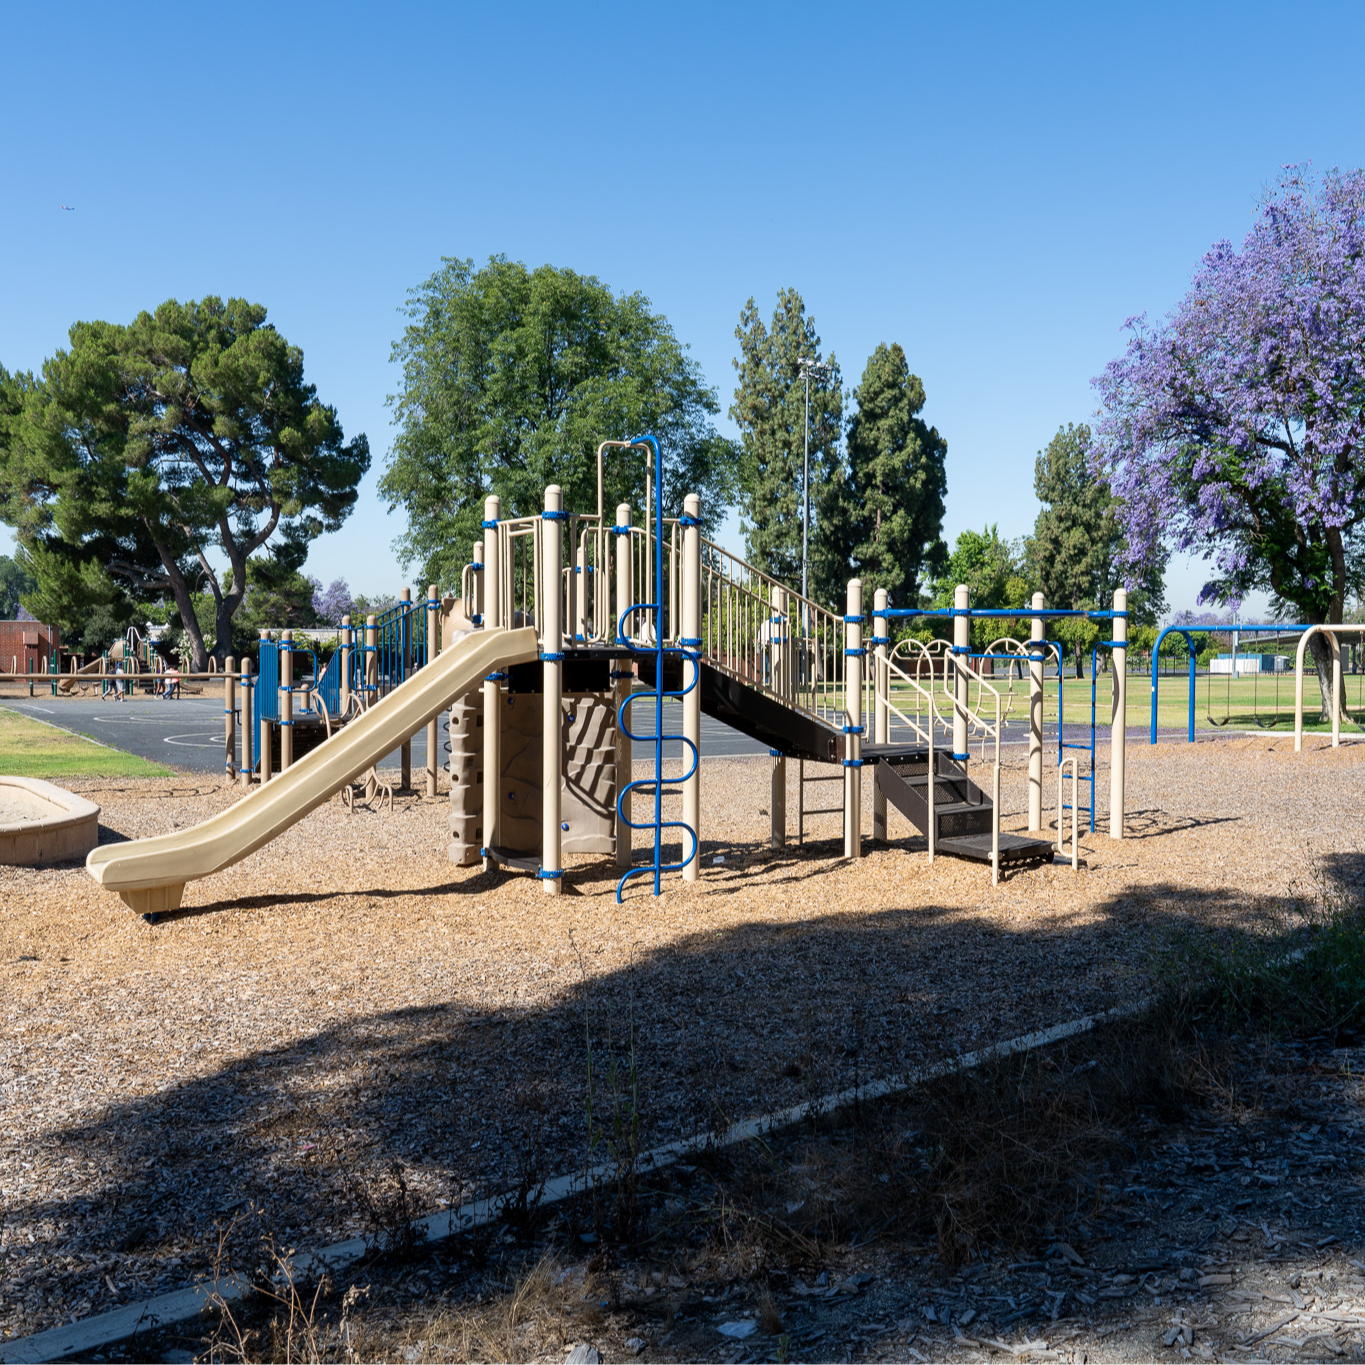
[{"x": 346, "y": 998}]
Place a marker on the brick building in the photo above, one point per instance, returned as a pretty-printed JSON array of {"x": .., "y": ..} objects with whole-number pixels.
[{"x": 27, "y": 644}]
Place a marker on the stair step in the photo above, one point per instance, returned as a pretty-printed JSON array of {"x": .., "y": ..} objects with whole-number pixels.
[{"x": 1014, "y": 848}]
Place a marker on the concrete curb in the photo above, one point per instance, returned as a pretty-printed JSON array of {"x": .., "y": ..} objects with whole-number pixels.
[{"x": 181, "y": 1305}]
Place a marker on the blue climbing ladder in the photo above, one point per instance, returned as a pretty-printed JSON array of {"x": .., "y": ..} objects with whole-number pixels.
[{"x": 689, "y": 650}]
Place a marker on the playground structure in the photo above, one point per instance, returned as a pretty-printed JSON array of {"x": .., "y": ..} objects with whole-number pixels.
[
  {"x": 1278, "y": 632},
  {"x": 559, "y": 614},
  {"x": 1332, "y": 633}
]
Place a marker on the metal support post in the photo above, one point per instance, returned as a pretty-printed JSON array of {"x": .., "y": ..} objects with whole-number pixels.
[
  {"x": 853, "y": 721},
  {"x": 371, "y": 669},
  {"x": 1035, "y": 720},
  {"x": 286, "y": 700},
  {"x": 476, "y": 566},
  {"x": 248, "y": 725},
  {"x": 433, "y": 726},
  {"x": 552, "y": 668},
  {"x": 690, "y": 641},
  {"x": 1337, "y": 688},
  {"x": 404, "y": 660},
  {"x": 580, "y": 596},
  {"x": 347, "y": 663},
  {"x": 492, "y": 692},
  {"x": 1118, "y": 720},
  {"x": 622, "y": 678},
  {"x": 229, "y": 721},
  {"x": 962, "y": 644},
  {"x": 781, "y": 661},
  {"x": 881, "y": 709}
]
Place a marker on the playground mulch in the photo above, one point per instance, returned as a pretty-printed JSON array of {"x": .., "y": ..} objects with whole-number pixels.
[{"x": 345, "y": 1006}]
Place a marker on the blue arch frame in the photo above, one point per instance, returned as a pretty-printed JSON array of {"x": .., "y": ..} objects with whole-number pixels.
[{"x": 1187, "y": 631}]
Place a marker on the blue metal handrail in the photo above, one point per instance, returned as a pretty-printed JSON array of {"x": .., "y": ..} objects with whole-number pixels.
[{"x": 399, "y": 649}]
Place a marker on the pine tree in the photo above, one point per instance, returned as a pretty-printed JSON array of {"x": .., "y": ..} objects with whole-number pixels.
[
  {"x": 1076, "y": 551},
  {"x": 898, "y": 481},
  {"x": 769, "y": 409}
]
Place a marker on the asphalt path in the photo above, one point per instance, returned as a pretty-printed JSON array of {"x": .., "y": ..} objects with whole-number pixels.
[{"x": 188, "y": 734}]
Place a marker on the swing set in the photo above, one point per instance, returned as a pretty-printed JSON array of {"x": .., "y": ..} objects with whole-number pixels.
[{"x": 1218, "y": 687}]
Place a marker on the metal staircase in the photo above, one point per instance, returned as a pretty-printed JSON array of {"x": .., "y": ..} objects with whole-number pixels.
[{"x": 961, "y": 815}]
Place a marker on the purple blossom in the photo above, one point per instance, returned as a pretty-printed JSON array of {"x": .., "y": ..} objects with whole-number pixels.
[
  {"x": 1233, "y": 427},
  {"x": 333, "y": 603}
]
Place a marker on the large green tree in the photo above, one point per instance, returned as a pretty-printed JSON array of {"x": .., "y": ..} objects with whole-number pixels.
[
  {"x": 993, "y": 570},
  {"x": 511, "y": 379},
  {"x": 897, "y": 482},
  {"x": 770, "y": 410},
  {"x": 150, "y": 454},
  {"x": 1075, "y": 552},
  {"x": 15, "y": 583}
]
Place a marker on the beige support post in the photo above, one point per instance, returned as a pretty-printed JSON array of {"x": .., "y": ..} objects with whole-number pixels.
[
  {"x": 690, "y": 640},
  {"x": 580, "y": 596},
  {"x": 1336, "y": 688},
  {"x": 962, "y": 643},
  {"x": 371, "y": 659},
  {"x": 433, "y": 645},
  {"x": 286, "y": 700},
  {"x": 347, "y": 650},
  {"x": 1035, "y": 719},
  {"x": 781, "y": 654},
  {"x": 405, "y": 749},
  {"x": 881, "y": 711},
  {"x": 492, "y": 692},
  {"x": 476, "y": 564},
  {"x": 625, "y": 595},
  {"x": 1118, "y": 725},
  {"x": 229, "y": 721},
  {"x": 248, "y": 729},
  {"x": 853, "y": 719},
  {"x": 552, "y": 686}
]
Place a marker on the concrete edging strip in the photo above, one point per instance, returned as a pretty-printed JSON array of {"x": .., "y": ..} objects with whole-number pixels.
[{"x": 165, "y": 1310}]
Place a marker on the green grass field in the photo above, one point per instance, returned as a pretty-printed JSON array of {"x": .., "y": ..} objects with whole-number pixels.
[
  {"x": 29, "y": 748},
  {"x": 1232, "y": 704}
]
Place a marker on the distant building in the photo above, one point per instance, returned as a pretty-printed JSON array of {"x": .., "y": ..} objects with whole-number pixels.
[{"x": 27, "y": 645}]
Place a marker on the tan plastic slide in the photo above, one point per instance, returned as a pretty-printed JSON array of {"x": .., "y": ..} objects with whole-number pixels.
[{"x": 150, "y": 874}]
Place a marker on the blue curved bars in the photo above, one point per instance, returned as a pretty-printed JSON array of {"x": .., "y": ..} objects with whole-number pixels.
[{"x": 693, "y": 656}]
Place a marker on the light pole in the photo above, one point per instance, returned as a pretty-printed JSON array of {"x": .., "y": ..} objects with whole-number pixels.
[{"x": 807, "y": 367}]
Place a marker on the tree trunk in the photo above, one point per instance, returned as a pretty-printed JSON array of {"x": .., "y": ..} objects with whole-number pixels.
[
  {"x": 184, "y": 602},
  {"x": 1321, "y": 649},
  {"x": 1080, "y": 660}
]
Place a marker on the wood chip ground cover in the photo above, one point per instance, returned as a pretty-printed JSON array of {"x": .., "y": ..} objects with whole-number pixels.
[{"x": 346, "y": 998}]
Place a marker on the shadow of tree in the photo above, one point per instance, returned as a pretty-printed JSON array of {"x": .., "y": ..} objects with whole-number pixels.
[{"x": 725, "y": 1024}]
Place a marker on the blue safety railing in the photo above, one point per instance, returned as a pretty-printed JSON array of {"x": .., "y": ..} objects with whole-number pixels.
[
  {"x": 328, "y": 684},
  {"x": 690, "y": 652},
  {"x": 399, "y": 649},
  {"x": 265, "y": 694},
  {"x": 265, "y": 688}
]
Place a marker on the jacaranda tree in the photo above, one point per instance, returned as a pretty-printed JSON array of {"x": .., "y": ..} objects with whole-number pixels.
[{"x": 1234, "y": 426}]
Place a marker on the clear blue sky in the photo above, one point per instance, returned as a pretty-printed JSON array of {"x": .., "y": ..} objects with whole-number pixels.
[{"x": 995, "y": 187}]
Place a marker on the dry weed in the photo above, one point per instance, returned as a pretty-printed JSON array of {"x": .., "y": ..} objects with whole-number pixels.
[
  {"x": 282, "y": 1320},
  {"x": 524, "y": 1323}
]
